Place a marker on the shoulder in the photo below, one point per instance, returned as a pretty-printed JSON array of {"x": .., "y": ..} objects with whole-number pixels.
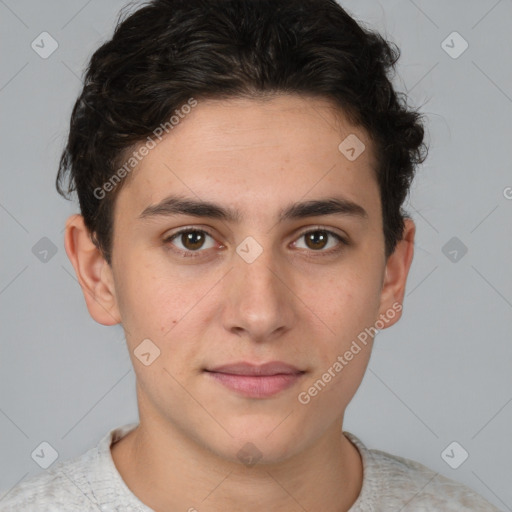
[
  {"x": 398, "y": 482},
  {"x": 423, "y": 487},
  {"x": 55, "y": 487},
  {"x": 79, "y": 484}
]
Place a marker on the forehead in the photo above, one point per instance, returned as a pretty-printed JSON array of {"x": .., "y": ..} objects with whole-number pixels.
[{"x": 254, "y": 155}]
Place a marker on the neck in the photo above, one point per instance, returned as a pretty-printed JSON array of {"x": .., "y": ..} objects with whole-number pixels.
[{"x": 168, "y": 471}]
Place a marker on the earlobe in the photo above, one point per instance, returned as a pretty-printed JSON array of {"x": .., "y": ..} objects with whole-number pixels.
[
  {"x": 93, "y": 272},
  {"x": 395, "y": 277}
]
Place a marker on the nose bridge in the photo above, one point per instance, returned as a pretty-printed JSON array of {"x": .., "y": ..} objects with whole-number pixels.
[{"x": 259, "y": 273}]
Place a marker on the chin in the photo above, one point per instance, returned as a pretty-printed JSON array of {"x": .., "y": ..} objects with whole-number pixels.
[{"x": 265, "y": 440}]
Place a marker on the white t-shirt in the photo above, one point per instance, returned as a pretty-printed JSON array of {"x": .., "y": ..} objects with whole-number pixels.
[{"x": 91, "y": 483}]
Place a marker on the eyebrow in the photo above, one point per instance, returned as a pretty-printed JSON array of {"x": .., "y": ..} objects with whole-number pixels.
[{"x": 177, "y": 205}]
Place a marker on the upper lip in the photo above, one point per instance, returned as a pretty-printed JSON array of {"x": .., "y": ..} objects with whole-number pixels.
[{"x": 243, "y": 368}]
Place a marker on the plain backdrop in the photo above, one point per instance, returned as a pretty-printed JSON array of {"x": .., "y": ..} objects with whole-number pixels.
[{"x": 442, "y": 374}]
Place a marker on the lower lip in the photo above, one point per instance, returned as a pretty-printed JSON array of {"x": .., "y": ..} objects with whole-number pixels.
[{"x": 256, "y": 386}]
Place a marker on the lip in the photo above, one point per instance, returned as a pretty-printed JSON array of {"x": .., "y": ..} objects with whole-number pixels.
[
  {"x": 256, "y": 381},
  {"x": 243, "y": 368}
]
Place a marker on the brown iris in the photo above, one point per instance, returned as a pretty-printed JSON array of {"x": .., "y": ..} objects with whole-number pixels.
[
  {"x": 192, "y": 240},
  {"x": 316, "y": 239}
]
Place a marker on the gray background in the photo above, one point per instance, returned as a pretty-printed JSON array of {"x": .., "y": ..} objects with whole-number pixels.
[{"x": 442, "y": 374}]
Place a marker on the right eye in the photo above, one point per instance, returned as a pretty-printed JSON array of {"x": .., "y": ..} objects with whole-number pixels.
[{"x": 191, "y": 240}]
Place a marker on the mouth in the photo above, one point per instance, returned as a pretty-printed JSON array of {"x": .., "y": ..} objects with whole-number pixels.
[{"x": 256, "y": 381}]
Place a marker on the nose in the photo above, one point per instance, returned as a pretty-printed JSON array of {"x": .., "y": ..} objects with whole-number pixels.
[{"x": 260, "y": 304}]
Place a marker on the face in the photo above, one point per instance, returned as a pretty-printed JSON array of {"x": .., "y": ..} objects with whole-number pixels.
[{"x": 252, "y": 280}]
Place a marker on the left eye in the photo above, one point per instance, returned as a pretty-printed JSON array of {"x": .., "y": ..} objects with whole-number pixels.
[{"x": 317, "y": 239}]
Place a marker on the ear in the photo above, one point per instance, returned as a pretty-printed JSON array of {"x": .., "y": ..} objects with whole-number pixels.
[
  {"x": 395, "y": 276},
  {"x": 93, "y": 272}
]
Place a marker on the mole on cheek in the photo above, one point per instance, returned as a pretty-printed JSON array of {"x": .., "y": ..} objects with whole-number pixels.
[{"x": 164, "y": 327}]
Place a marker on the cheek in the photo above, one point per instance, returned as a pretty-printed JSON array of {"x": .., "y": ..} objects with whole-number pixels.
[
  {"x": 346, "y": 307},
  {"x": 166, "y": 306},
  {"x": 347, "y": 302},
  {"x": 150, "y": 300}
]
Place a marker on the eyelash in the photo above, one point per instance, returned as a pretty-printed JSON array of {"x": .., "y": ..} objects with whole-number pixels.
[{"x": 195, "y": 254}]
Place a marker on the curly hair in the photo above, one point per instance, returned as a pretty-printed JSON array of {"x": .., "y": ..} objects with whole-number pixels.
[{"x": 168, "y": 51}]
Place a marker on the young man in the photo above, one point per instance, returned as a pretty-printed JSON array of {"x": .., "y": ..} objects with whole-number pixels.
[{"x": 240, "y": 167}]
